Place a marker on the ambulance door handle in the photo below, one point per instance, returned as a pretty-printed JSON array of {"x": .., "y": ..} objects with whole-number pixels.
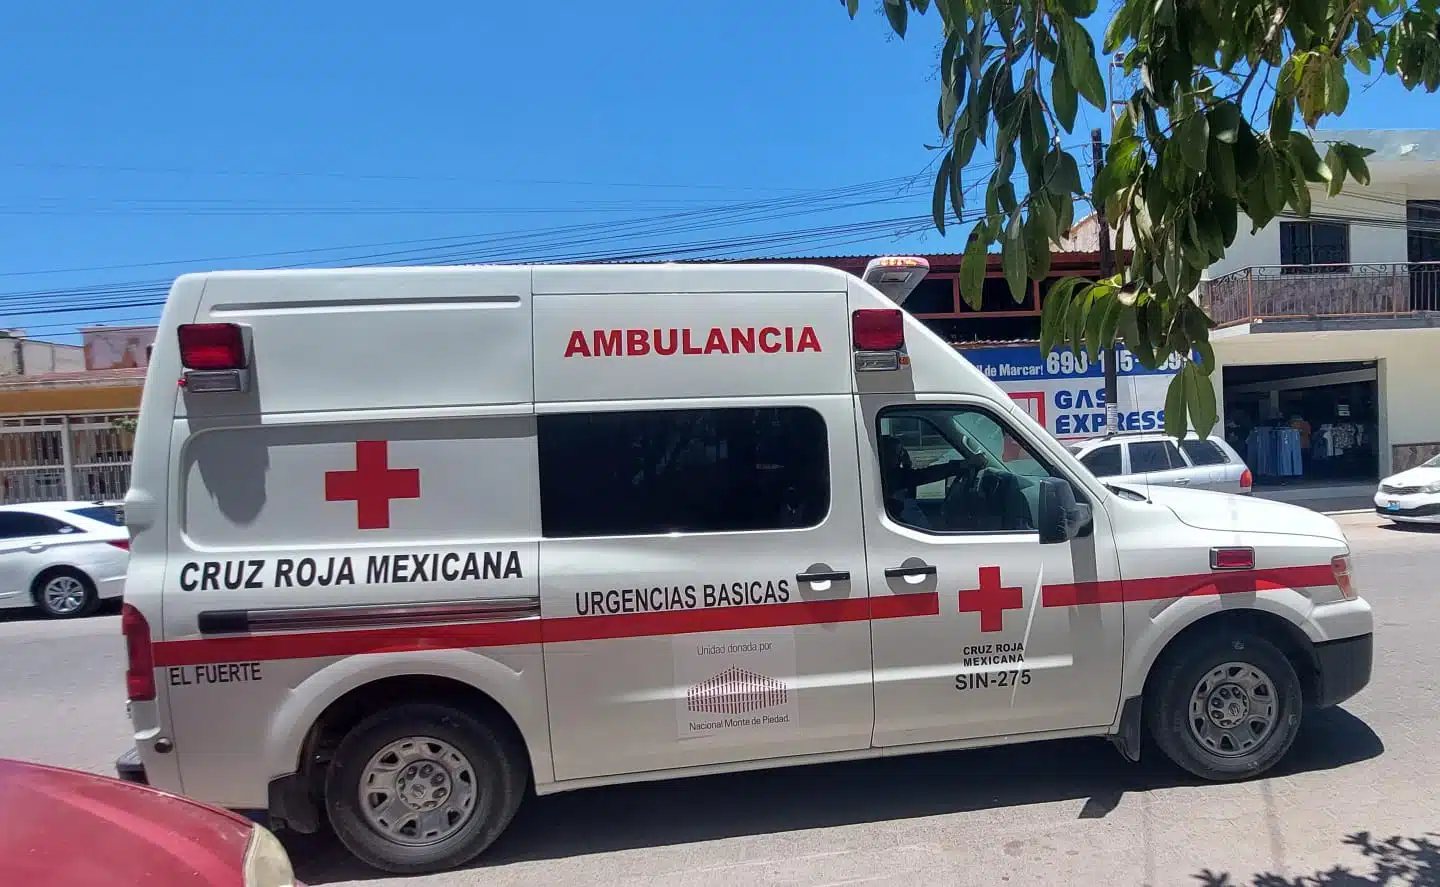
[
  {"x": 831, "y": 576},
  {"x": 1182, "y": 481},
  {"x": 917, "y": 570}
]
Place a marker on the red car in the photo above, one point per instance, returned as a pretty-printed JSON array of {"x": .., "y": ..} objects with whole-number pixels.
[{"x": 64, "y": 828}]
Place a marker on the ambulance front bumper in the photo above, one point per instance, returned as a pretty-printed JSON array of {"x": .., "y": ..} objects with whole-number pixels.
[
  {"x": 129, "y": 767},
  {"x": 1343, "y": 668}
]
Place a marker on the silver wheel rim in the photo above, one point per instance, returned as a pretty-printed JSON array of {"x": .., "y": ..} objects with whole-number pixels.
[
  {"x": 1233, "y": 709},
  {"x": 418, "y": 791},
  {"x": 64, "y": 595}
]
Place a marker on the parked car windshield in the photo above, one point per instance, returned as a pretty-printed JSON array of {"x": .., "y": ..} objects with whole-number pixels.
[{"x": 1432, "y": 462}]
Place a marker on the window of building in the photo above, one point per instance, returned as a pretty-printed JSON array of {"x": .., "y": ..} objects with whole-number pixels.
[
  {"x": 1103, "y": 461},
  {"x": 1154, "y": 455},
  {"x": 934, "y": 295},
  {"x": 683, "y": 471},
  {"x": 968, "y": 474},
  {"x": 1203, "y": 452},
  {"x": 1314, "y": 247}
]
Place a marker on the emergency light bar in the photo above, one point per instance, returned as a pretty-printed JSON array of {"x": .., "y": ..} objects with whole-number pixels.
[{"x": 896, "y": 276}]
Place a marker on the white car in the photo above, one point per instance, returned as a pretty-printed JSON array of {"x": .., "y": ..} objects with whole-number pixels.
[
  {"x": 1411, "y": 496},
  {"x": 1153, "y": 458},
  {"x": 62, "y": 557}
]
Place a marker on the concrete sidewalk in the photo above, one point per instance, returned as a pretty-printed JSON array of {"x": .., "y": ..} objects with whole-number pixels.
[{"x": 1323, "y": 497}]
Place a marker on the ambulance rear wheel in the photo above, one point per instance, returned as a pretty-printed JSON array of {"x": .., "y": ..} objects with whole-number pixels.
[
  {"x": 422, "y": 788},
  {"x": 1225, "y": 707}
]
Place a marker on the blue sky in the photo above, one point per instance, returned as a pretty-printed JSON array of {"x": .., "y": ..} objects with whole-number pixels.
[{"x": 145, "y": 140}]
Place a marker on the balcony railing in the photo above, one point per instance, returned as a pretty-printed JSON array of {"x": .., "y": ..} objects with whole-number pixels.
[{"x": 1292, "y": 292}]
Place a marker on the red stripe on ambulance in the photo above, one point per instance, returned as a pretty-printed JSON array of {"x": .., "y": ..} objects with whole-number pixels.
[
  {"x": 1200, "y": 584},
  {"x": 317, "y": 644},
  {"x": 639, "y": 625}
]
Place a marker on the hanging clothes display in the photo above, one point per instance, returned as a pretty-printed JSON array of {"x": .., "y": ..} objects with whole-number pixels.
[
  {"x": 1335, "y": 439},
  {"x": 1273, "y": 451}
]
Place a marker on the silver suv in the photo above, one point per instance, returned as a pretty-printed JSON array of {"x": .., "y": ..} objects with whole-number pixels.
[{"x": 1154, "y": 458}]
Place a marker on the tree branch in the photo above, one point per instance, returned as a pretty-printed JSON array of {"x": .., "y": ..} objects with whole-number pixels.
[
  {"x": 1035, "y": 61},
  {"x": 1277, "y": 21},
  {"x": 1344, "y": 23}
]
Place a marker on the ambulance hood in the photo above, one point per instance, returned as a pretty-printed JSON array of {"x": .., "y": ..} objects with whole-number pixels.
[{"x": 1207, "y": 510}]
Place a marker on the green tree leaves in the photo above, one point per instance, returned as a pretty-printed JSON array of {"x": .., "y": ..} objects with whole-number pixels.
[
  {"x": 1207, "y": 138},
  {"x": 1013, "y": 257},
  {"x": 1193, "y": 136}
]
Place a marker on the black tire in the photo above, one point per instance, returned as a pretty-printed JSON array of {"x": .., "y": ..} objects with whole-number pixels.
[
  {"x": 40, "y": 590},
  {"x": 1177, "y": 680},
  {"x": 498, "y": 773}
]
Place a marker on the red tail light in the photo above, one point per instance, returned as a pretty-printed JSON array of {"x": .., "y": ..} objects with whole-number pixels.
[
  {"x": 120, "y": 543},
  {"x": 140, "y": 664},
  {"x": 1247, "y": 480},
  {"x": 212, "y": 346},
  {"x": 878, "y": 329}
]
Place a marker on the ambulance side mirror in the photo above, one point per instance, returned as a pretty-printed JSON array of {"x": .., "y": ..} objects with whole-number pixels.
[{"x": 1061, "y": 517}]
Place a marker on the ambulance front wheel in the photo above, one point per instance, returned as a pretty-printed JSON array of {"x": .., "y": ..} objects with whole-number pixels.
[
  {"x": 1225, "y": 706},
  {"x": 422, "y": 788}
]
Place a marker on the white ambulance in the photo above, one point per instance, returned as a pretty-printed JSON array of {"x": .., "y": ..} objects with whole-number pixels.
[{"x": 408, "y": 544}]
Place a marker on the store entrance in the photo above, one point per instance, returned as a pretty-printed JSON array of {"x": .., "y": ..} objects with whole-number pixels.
[{"x": 1311, "y": 423}]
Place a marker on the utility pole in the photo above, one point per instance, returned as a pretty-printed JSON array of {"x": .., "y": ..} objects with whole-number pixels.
[{"x": 1107, "y": 268}]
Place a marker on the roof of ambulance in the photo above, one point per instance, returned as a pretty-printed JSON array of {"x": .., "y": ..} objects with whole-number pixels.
[{"x": 760, "y": 274}]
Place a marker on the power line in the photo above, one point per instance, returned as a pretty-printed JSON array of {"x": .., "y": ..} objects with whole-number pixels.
[
  {"x": 895, "y": 184},
  {"x": 590, "y": 248},
  {"x": 548, "y": 241},
  {"x": 571, "y": 243},
  {"x": 383, "y": 177},
  {"x": 135, "y": 297},
  {"x": 114, "y": 322}
]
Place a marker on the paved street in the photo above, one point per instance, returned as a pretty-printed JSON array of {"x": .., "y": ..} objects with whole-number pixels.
[{"x": 1056, "y": 813}]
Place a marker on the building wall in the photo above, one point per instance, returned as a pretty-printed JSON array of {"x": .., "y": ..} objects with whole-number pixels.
[
  {"x": 1379, "y": 239},
  {"x": 110, "y": 348},
  {"x": 42, "y": 400},
  {"x": 38, "y": 357},
  {"x": 1407, "y": 363}
]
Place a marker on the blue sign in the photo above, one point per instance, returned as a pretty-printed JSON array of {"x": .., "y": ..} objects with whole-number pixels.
[
  {"x": 1065, "y": 392},
  {"x": 1017, "y": 363}
]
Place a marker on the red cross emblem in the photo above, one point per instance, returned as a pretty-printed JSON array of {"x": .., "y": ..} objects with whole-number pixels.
[
  {"x": 372, "y": 484},
  {"x": 991, "y": 600}
]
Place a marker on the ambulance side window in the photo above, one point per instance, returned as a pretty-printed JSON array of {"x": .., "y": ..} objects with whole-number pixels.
[
  {"x": 957, "y": 470},
  {"x": 682, "y": 471}
]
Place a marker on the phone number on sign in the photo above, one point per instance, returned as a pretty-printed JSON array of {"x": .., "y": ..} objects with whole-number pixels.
[{"x": 1068, "y": 363}]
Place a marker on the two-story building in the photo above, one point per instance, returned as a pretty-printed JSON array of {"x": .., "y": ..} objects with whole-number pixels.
[
  {"x": 65, "y": 424},
  {"x": 1330, "y": 326}
]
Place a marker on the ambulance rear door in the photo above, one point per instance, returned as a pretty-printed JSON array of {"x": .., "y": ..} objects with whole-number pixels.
[{"x": 365, "y": 506}]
